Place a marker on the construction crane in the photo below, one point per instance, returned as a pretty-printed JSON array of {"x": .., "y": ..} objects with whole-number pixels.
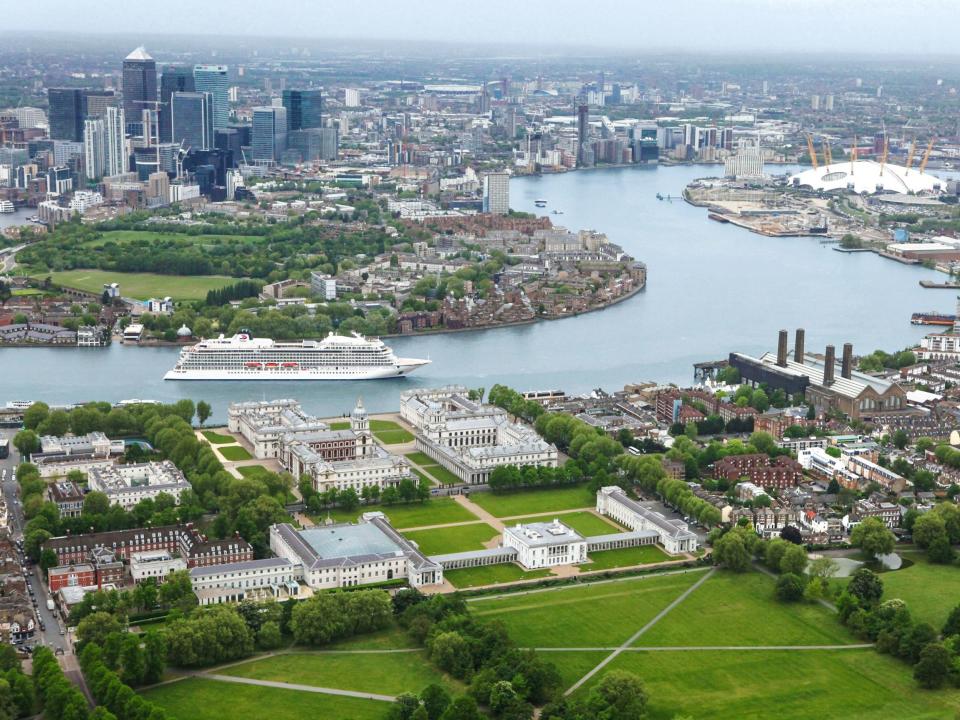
[
  {"x": 853, "y": 154},
  {"x": 827, "y": 155},
  {"x": 913, "y": 150},
  {"x": 813, "y": 155},
  {"x": 926, "y": 155},
  {"x": 886, "y": 151}
]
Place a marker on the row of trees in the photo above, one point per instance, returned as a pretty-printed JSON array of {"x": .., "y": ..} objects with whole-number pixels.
[
  {"x": 112, "y": 693},
  {"x": 239, "y": 290},
  {"x": 61, "y": 699},
  {"x": 406, "y": 491},
  {"x": 326, "y": 617},
  {"x": 136, "y": 659},
  {"x": 937, "y": 531},
  {"x": 514, "y": 403},
  {"x": 647, "y": 472},
  {"x": 505, "y": 478},
  {"x": 175, "y": 594},
  {"x": 17, "y": 694}
]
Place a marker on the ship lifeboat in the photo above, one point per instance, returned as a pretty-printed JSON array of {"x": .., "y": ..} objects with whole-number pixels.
[
  {"x": 289, "y": 365},
  {"x": 271, "y": 365},
  {"x": 252, "y": 365}
]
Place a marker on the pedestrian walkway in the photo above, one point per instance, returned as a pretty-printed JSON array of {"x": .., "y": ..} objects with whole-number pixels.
[
  {"x": 297, "y": 686},
  {"x": 479, "y": 512}
]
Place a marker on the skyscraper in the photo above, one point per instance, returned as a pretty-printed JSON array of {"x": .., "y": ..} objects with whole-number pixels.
[
  {"x": 139, "y": 83},
  {"x": 213, "y": 79},
  {"x": 94, "y": 148},
  {"x": 174, "y": 79},
  {"x": 66, "y": 113},
  {"x": 583, "y": 127},
  {"x": 115, "y": 127},
  {"x": 269, "y": 132},
  {"x": 304, "y": 109},
  {"x": 192, "y": 120},
  {"x": 496, "y": 193},
  {"x": 96, "y": 102}
]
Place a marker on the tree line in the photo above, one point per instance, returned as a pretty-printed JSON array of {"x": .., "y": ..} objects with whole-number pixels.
[{"x": 114, "y": 693}]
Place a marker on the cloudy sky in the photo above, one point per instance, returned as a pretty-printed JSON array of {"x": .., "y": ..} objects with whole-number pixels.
[{"x": 817, "y": 27}]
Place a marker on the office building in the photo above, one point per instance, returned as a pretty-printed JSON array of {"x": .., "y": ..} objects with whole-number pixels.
[
  {"x": 269, "y": 133},
  {"x": 29, "y": 117},
  {"x": 213, "y": 79},
  {"x": 351, "y": 97},
  {"x": 94, "y": 148},
  {"x": 139, "y": 83},
  {"x": 227, "y": 141},
  {"x": 66, "y": 113},
  {"x": 115, "y": 147},
  {"x": 304, "y": 109},
  {"x": 174, "y": 79},
  {"x": 496, "y": 193},
  {"x": 96, "y": 102},
  {"x": 583, "y": 128},
  {"x": 192, "y": 120}
]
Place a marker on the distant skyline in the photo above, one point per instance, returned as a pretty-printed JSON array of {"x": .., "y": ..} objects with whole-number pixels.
[{"x": 815, "y": 27}]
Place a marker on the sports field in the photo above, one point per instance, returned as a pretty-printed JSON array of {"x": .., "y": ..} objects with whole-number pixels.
[{"x": 141, "y": 286}]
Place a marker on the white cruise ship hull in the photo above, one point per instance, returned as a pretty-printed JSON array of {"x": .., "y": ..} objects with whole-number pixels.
[{"x": 401, "y": 368}]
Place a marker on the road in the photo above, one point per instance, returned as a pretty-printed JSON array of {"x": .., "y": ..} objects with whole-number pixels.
[
  {"x": 7, "y": 259},
  {"x": 51, "y": 635}
]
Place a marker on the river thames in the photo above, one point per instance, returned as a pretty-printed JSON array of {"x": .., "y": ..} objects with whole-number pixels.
[{"x": 712, "y": 288}]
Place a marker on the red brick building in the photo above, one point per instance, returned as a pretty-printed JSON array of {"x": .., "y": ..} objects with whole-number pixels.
[{"x": 783, "y": 473}]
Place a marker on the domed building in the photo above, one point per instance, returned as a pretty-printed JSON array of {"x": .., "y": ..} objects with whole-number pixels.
[
  {"x": 867, "y": 176},
  {"x": 184, "y": 333}
]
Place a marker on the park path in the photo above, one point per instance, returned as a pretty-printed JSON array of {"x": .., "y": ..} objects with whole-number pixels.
[
  {"x": 297, "y": 686},
  {"x": 440, "y": 526},
  {"x": 487, "y": 517},
  {"x": 636, "y": 636},
  {"x": 701, "y": 648}
]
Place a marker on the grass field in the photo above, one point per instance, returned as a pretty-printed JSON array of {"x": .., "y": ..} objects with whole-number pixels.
[
  {"x": 625, "y": 557},
  {"x": 235, "y": 453},
  {"x": 197, "y": 699},
  {"x": 849, "y": 684},
  {"x": 389, "y": 432},
  {"x": 442, "y": 475},
  {"x": 420, "y": 458},
  {"x": 599, "y": 614},
  {"x": 436, "y": 511},
  {"x": 491, "y": 575},
  {"x": 385, "y": 673},
  {"x": 739, "y": 609},
  {"x": 452, "y": 539},
  {"x": 344, "y": 425},
  {"x": 142, "y": 285},
  {"x": 585, "y": 523},
  {"x": 26, "y": 292},
  {"x": 531, "y": 502},
  {"x": 218, "y": 439},
  {"x": 122, "y": 237},
  {"x": 391, "y": 639},
  {"x": 930, "y": 591}
]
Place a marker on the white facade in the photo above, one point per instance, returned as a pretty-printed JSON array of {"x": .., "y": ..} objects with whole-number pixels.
[
  {"x": 94, "y": 148},
  {"x": 157, "y": 565},
  {"x": 126, "y": 485},
  {"x": 496, "y": 193},
  {"x": 541, "y": 545},
  {"x": 674, "y": 535},
  {"x": 323, "y": 285},
  {"x": 231, "y": 582},
  {"x": 116, "y": 145}
]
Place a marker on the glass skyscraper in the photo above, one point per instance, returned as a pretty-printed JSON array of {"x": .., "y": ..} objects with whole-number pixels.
[
  {"x": 66, "y": 113},
  {"x": 174, "y": 79},
  {"x": 269, "y": 133},
  {"x": 304, "y": 109},
  {"x": 139, "y": 83},
  {"x": 213, "y": 79},
  {"x": 192, "y": 120}
]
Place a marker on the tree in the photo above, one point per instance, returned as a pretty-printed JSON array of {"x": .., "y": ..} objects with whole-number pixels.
[
  {"x": 269, "y": 637},
  {"x": 35, "y": 414},
  {"x": 866, "y": 587},
  {"x": 790, "y": 587},
  {"x": 154, "y": 657},
  {"x": 132, "y": 661},
  {"x": 791, "y": 533},
  {"x": 933, "y": 668},
  {"x": 96, "y": 503},
  {"x": 463, "y": 708},
  {"x": 620, "y": 695},
  {"x": 873, "y": 537},
  {"x": 774, "y": 551},
  {"x": 204, "y": 411},
  {"x": 26, "y": 442},
  {"x": 95, "y": 628},
  {"x": 928, "y": 528},
  {"x": 900, "y": 439},
  {"x": 435, "y": 699},
  {"x": 731, "y": 551},
  {"x": 451, "y": 651},
  {"x": 952, "y": 625},
  {"x": 404, "y": 707},
  {"x": 941, "y": 551},
  {"x": 794, "y": 560}
]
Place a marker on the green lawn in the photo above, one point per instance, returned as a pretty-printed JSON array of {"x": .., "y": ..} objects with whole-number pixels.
[
  {"x": 436, "y": 511},
  {"x": 423, "y": 476},
  {"x": 394, "y": 638},
  {"x": 197, "y": 699},
  {"x": 530, "y": 502},
  {"x": 452, "y": 539},
  {"x": 584, "y": 522},
  {"x": 389, "y": 432},
  {"x": 602, "y": 614},
  {"x": 384, "y": 673},
  {"x": 420, "y": 458},
  {"x": 930, "y": 591},
  {"x": 218, "y": 439},
  {"x": 574, "y": 665},
  {"x": 788, "y": 685},
  {"x": 740, "y": 609},
  {"x": 26, "y": 292},
  {"x": 235, "y": 453},
  {"x": 491, "y": 575},
  {"x": 142, "y": 285},
  {"x": 345, "y": 425},
  {"x": 625, "y": 557},
  {"x": 252, "y": 470},
  {"x": 442, "y": 474}
]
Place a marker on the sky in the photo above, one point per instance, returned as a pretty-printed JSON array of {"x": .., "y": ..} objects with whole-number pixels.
[{"x": 816, "y": 27}]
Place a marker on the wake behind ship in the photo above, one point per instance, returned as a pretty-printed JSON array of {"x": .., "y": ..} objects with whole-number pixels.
[{"x": 336, "y": 357}]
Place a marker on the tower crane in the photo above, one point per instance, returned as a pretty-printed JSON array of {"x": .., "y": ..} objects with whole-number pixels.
[
  {"x": 827, "y": 155},
  {"x": 853, "y": 154},
  {"x": 813, "y": 154},
  {"x": 886, "y": 151},
  {"x": 913, "y": 150},
  {"x": 926, "y": 155}
]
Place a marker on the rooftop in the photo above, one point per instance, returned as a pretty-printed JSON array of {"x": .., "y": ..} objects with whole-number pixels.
[{"x": 337, "y": 541}]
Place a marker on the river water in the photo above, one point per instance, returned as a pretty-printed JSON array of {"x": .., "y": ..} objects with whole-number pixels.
[{"x": 711, "y": 288}]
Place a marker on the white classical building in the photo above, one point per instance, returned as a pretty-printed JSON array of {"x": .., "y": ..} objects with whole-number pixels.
[
  {"x": 471, "y": 439},
  {"x": 156, "y": 564},
  {"x": 232, "y": 582},
  {"x": 673, "y": 535},
  {"x": 344, "y": 555},
  {"x": 126, "y": 485},
  {"x": 541, "y": 544},
  {"x": 262, "y": 423}
]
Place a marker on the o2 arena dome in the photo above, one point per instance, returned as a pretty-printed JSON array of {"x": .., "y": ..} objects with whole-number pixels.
[{"x": 866, "y": 176}]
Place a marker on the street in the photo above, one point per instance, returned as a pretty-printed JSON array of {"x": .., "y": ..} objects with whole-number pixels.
[{"x": 51, "y": 634}]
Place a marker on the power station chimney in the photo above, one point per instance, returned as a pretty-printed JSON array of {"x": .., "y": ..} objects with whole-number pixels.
[
  {"x": 828, "y": 365},
  {"x": 846, "y": 368},
  {"x": 798, "y": 347},
  {"x": 782, "y": 349}
]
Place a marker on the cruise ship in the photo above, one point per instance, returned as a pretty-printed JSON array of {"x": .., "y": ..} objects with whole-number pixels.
[{"x": 336, "y": 357}]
